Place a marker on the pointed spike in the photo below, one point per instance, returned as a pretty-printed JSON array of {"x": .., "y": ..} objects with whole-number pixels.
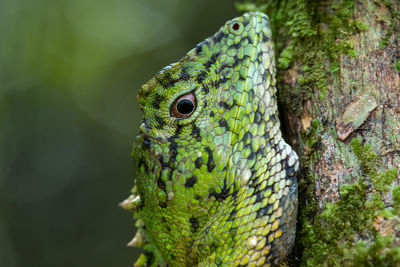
[
  {"x": 137, "y": 241},
  {"x": 139, "y": 223},
  {"x": 141, "y": 261},
  {"x": 131, "y": 203}
]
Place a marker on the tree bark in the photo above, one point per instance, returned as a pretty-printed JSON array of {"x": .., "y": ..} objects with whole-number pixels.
[{"x": 339, "y": 92}]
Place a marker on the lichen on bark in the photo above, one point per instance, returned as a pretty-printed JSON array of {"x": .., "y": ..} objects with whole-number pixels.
[{"x": 330, "y": 55}]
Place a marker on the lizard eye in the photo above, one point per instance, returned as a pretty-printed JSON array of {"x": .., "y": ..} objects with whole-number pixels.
[
  {"x": 184, "y": 106},
  {"x": 236, "y": 27}
]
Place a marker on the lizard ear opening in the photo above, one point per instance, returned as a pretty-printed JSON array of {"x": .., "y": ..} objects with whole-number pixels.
[{"x": 184, "y": 106}]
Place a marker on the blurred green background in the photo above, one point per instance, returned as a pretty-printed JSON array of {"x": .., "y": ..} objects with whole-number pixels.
[{"x": 69, "y": 74}]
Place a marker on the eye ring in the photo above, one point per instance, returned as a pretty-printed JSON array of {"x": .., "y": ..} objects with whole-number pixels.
[
  {"x": 184, "y": 106},
  {"x": 236, "y": 27}
]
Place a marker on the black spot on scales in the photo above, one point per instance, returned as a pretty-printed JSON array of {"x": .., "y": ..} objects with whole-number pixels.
[
  {"x": 266, "y": 135},
  {"x": 236, "y": 61},
  {"x": 206, "y": 88},
  {"x": 198, "y": 162},
  {"x": 257, "y": 117},
  {"x": 161, "y": 184},
  {"x": 201, "y": 77},
  {"x": 208, "y": 64},
  {"x": 232, "y": 215},
  {"x": 170, "y": 174},
  {"x": 167, "y": 81},
  {"x": 191, "y": 182},
  {"x": 212, "y": 60},
  {"x": 252, "y": 155},
  {"x": 160, "y": 122},
  {"x": 196, "y": 132},
  {"x": 223, "y": 123},
  {"x": 162, "y": 204},
  {"x": 219, "y": 196},
  {"x": 144, "y": 164},
  {"x": 215, "y": 83},
  {"x": 265, "y": 211},
  {"x": 157, "y": 100},
  {"x": 290, "y": 171},
  {"x": 173, "y": 145},
  {"x": 184, "y": 76},
  {"x": 164, "y": 164},
  {"x": 218, "y": 36},
  {"x": 265, "y": 38},
  {"x": 194, "y": 224},
  {"x": 223, "y": 105},
  {"x": 199, "y": 47},
  {"x": 147, "y": 142},
  {"x": 236, "y": 46},
  {"x": 259, "y": 196},
  {"x": 210, "y": 161}
]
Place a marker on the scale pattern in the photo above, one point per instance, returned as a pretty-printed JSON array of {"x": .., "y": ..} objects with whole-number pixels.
[{"x": 217, "y": 188}]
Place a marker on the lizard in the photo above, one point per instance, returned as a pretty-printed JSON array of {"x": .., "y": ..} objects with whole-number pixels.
[{"x": 216, "y": 182}]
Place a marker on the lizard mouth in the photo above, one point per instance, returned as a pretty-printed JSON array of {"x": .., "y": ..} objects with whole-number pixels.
[
  {"x": 145, "y": 128},
  {"x": 147, "y": 131}
]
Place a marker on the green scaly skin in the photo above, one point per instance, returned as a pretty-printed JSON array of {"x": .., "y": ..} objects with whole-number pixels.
[{"x": 217, "y": 188}]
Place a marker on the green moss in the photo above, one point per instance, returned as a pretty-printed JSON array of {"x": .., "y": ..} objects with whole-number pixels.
[
  {"x": 308, "y": 205},
  {"x": 394, "y": 22},
  {"x": 397, "y": 66},
  {"x": 332, "y": 239},
  {"x": 365, "y": 154},
  {"x": 381, "y": 180},
  {"x": 382, "y": 252},
  {"x": 396, "y": 200},
  {"x": 335, "y": 229},
  {"x": 319, "y": 33}
]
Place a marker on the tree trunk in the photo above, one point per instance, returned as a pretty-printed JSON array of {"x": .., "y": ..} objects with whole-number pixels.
[{"x": 339, "y": 91}]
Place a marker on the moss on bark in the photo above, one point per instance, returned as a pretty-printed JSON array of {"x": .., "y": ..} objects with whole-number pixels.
[{"x": 330, "y": 55}]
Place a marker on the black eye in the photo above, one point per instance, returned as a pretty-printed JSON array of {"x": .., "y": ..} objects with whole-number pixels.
[
  {"x": 236, "y": 26},
  {"x": 184, "y": 106}
]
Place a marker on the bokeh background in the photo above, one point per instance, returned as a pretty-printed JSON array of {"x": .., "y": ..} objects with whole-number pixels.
[{"x": 69, "y": 74}]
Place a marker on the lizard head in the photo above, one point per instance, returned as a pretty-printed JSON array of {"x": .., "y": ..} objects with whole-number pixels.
[
  {"x": 207, "y": 77},
  {"x": 209, "y": 139}
]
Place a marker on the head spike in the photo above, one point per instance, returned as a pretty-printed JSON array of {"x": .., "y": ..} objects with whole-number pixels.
[
  {"x": 131, "y": 203},
  {"x": 141, "y": 261},
  {"x": 137, "y": 241}
]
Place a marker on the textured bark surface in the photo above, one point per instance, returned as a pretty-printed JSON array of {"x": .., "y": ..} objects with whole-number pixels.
[{"x": 339, "y": 64}]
